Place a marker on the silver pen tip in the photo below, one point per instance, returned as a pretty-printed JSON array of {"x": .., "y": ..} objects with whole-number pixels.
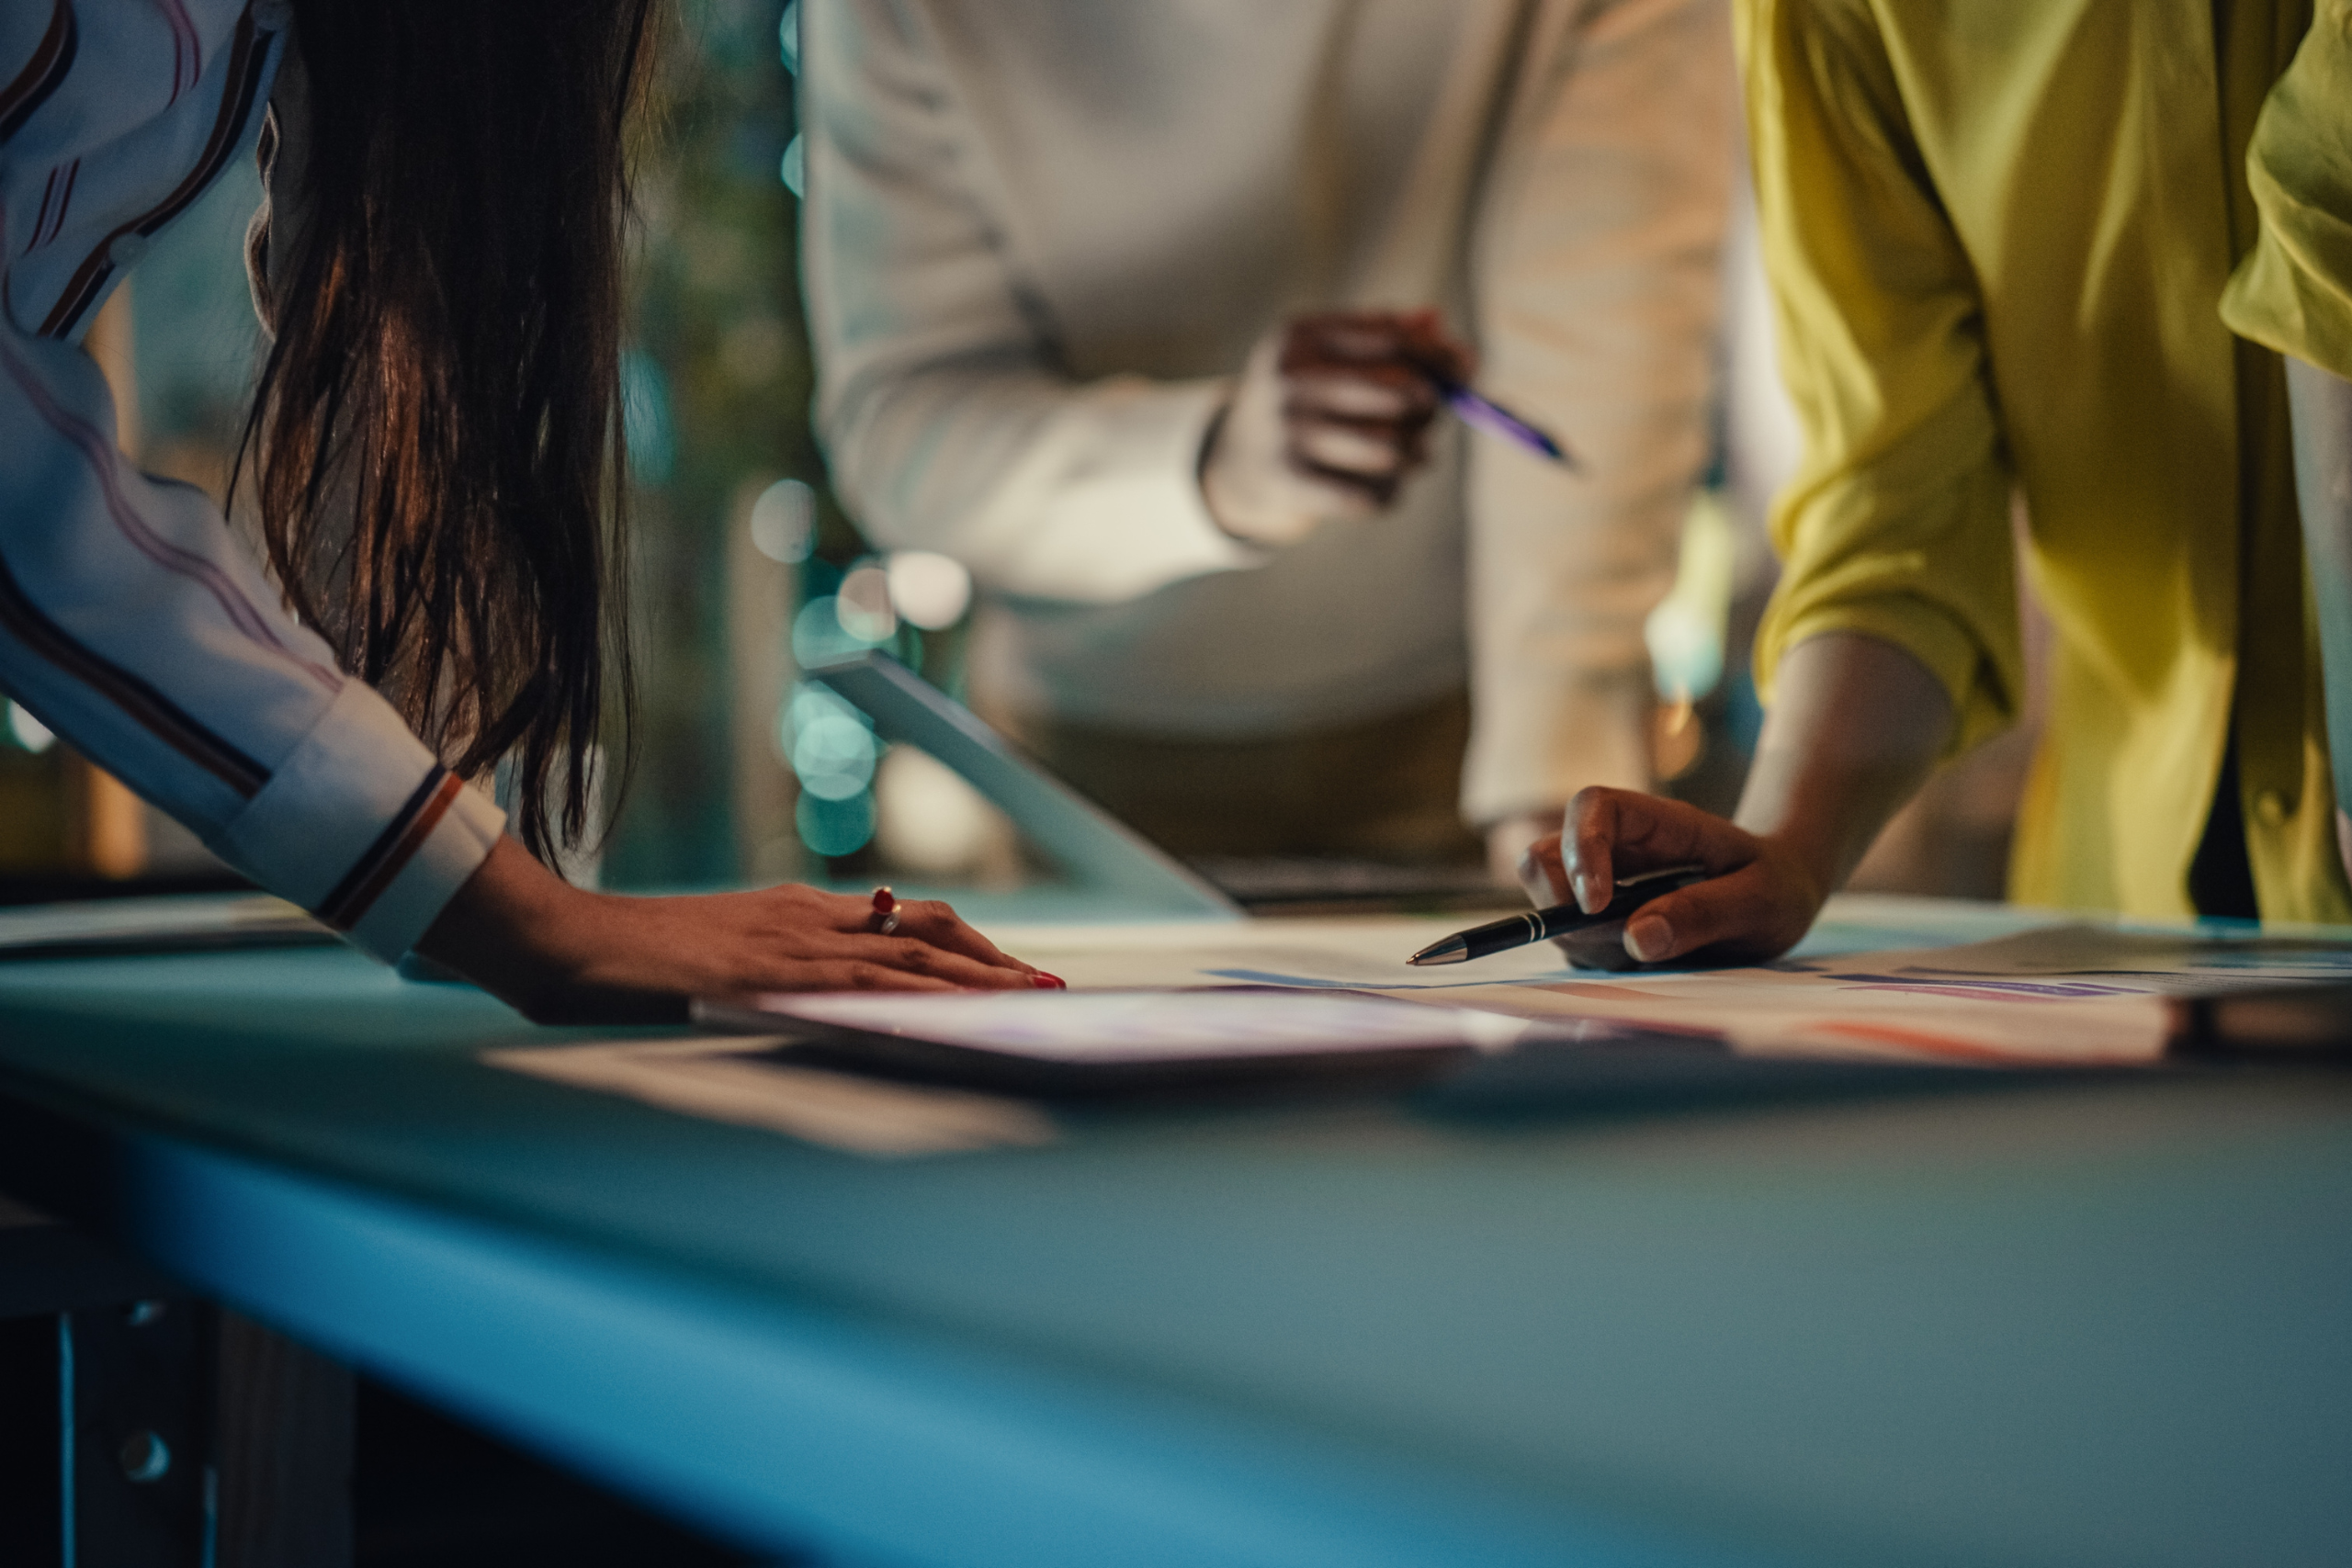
[{"x": 1452, "y": 950}]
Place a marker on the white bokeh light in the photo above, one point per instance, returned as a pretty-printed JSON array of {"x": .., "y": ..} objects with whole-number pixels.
[
  {"x": 929, "y": 821},
  {"x": 28, "y": 731},
  {"x": 784, "y": 521},
  {"x": 931, "y": 591}
]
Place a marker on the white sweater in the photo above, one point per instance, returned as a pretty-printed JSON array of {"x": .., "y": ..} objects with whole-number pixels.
[{"x": 1041, "y": 236}]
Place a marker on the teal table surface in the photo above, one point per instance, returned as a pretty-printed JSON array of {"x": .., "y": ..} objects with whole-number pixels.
[{"x": 2072, "y": 1322}]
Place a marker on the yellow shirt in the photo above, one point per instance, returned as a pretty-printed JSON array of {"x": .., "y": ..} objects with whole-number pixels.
[
  {"x": 1999, "y": 232},
  {"x": 2294, "y": 293}
]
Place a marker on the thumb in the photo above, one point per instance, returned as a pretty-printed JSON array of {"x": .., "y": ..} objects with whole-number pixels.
[{"x": 1754, "y": 913}]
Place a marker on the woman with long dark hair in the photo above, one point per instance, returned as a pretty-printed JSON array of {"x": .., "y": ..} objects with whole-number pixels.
[{"x": 434, "y": 460}]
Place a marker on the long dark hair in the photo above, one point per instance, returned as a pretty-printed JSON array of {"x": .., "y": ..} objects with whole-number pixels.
[{"x": 440, "y": 478}]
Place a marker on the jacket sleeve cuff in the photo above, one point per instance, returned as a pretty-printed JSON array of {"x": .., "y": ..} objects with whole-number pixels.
[
  {"x": 1981, "y": 704},
  {"x": 364, "y": 827},
  {"x": 2294, "y": 292},
  {"x": 2281, "y": 299}
]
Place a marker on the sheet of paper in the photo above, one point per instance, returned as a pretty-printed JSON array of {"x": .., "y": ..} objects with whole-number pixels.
[
  {"x": 2057, "y": 991},
  {"x": 2175, "y": 963},
  {"x": 1352, "y": 952}
]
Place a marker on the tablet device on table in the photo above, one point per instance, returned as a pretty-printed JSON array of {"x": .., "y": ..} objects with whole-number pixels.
[{"x": 1105, "y": 1043}]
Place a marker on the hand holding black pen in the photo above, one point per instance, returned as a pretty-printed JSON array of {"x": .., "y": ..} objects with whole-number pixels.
[
  {"x": 1756, "y": 899},
  {"x": 1605, "y": 924}
]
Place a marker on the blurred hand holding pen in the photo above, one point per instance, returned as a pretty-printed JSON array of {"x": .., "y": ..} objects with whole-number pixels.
[
  {"x": 1449, "y": 369},
  {"x": 1331, "y": 416},
  {"x": 1481, "y": 413}
]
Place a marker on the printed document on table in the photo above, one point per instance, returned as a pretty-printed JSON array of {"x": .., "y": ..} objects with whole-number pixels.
[
  {"x": 1878, "y": 980},
  {"x": 2058, "y": 992}
]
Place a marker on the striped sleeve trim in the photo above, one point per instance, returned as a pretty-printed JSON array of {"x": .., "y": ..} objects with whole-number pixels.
[
  {"x": 56, "y": 199},
  {"x": 44, "y": 73},
  {"x": 248, "y": 64},
  {"x": 150, "y": 708},
  {"x": 362, "y": 826},
  {"x": 187, "y": 49},
  {"x": 352, "y": 897}
]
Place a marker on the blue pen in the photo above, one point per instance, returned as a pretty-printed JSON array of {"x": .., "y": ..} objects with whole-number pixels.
[{"x": 1485, "y": 413}]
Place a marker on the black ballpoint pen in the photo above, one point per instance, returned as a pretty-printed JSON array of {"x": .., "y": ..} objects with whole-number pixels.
[{"x": 1540, "y": 925}]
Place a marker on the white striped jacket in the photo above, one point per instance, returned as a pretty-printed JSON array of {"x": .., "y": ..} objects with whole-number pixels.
[{"x": 131, "y": 621}]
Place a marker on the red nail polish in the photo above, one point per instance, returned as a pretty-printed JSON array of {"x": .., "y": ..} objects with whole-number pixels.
[{"x": 1045, "y": 981}]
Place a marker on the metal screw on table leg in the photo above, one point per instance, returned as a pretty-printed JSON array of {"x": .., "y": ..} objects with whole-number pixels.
[
  {"x": 136, "y": 1402},
  {"x": 145, "y": 1456}
]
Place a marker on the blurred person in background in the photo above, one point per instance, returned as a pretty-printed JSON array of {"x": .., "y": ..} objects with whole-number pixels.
[
  {"x": 437, "y": 480},
  {"x": 2056, "y": 250},
  {"x": 1131, "y": 309}
]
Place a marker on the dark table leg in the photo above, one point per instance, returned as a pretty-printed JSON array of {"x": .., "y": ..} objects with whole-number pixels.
[
  {"x": 285, "y": 1435},
  {"x": 187, "y": 1435}
]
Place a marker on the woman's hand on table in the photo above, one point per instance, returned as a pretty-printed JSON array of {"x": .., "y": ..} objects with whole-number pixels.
[
  {"x": 559, "y": 955},
  {"x": 1758, "y": 901}
]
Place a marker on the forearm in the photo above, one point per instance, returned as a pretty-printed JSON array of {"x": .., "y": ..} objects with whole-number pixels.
[
  {"x": 1855, "y": 727},
  {"x": 499, "y": 928},
  {"x": 1042, "y": 487}
]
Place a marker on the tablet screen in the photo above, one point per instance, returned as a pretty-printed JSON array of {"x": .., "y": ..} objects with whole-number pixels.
[{"x": 1081, "y": 1027}]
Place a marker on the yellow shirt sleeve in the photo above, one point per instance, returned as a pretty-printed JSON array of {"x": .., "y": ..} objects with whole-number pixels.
[
  {"x": 1897, "y": 523},
  {"x": 2294, "y": 293}
]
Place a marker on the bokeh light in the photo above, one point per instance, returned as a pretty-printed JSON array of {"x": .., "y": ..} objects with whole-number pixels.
[
  {"x": 929, "y": 821},
  {"x": 834, "y": 758},
  {"x": 817, "y": 639},
  {"x": 929, "y": 591},
  {"x": 647, "y": 426},
  {"x": 28, "y": 731},
  {"x": 1685, "y": 632},
  {"x": 784, "y": 521},
  {"x": 835, "y": 827},
  {"x": 834, "y": 750},
  {"x": 863, "y": 606}
]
